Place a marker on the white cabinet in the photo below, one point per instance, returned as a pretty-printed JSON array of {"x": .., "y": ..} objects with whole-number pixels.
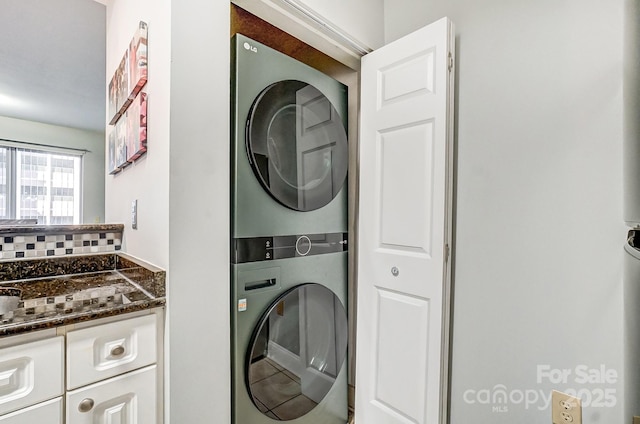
[
  {"x": 30, "y": 373},
  {"x": 110, "y": 367},
  {"x": 49, "y": 412},
  {"x": 104, "y": 351},
  {"x": 126, "y": 399}
]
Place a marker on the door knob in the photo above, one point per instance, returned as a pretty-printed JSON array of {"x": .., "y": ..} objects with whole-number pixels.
[
  {"x": 395, "y": 271},
  {"x": 85, "y": 405},
  {"x": 117, "y": 351}
]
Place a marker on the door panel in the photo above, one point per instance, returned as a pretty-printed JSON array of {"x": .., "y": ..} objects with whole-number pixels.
[
  {"x": 406, "y": 156},
  {"x": 407, "y": 76},
  {"x": 404, "y": 231},
  {"x": 408, "y": 347}
]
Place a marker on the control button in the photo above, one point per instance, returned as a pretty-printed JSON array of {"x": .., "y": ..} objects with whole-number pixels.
[{"x": 303, "y": 246}]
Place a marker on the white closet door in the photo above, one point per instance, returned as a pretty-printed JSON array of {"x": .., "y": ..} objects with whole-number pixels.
[{"x": 404, "y": 229}]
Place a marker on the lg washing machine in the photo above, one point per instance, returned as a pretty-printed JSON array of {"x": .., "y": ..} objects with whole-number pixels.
[
  {"x": 288, "y": 240},
  {"x": 289, "y": 338}
]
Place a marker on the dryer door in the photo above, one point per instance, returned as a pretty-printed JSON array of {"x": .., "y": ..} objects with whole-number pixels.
[
  {"x": 297, "y": 145},
  {"x": 306, "y": 342}
]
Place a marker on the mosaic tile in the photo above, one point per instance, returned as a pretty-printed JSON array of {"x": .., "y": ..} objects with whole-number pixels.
[{"x": 42, "y": 245}]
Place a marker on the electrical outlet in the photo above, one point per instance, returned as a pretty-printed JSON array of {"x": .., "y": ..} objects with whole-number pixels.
[{"x": 565, "y": 409}]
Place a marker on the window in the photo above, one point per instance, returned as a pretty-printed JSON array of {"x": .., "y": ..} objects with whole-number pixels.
[{"x": 42, "y": 185}]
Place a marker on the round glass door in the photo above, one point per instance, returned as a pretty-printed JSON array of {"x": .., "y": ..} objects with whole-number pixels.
[
  {"x": 296, "y": 352},
  {"x": 297, "y": 145}
]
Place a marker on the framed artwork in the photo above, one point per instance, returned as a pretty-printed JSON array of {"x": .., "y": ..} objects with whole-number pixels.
[
  {"x": 137, "y": 127},
  {"x": 121, "y": 144},
  {"x": 118, "y": 87},
  {"x": 138, "y": 61},
  {"x": 127, "y": 106},
  {"x": 130, "y": 76},
  {"x": 112, "y": 152}
]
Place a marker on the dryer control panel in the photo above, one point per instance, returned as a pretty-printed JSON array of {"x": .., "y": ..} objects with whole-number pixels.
[{"x": 256, "y": 249}]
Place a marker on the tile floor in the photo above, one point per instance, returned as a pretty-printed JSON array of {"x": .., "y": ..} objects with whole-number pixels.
[{"x": 276, "y": 391}]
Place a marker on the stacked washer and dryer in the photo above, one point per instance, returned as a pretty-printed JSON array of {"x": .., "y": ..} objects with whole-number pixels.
[{"x": 288, "y": 240}]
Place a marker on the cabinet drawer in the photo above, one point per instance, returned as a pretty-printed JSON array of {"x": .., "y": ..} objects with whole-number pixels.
[
  {"x": 126, "y": 399},
  {"x": 49, "y": 412},
  {"x": 104, "y": 351},
  {"x": 31, "y": 373}
]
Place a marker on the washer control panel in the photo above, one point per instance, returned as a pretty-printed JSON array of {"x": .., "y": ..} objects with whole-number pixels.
[{"x": 256, "y": 249}]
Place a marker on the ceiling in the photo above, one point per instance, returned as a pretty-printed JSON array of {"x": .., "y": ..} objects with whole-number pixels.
[{"x": 52, "y": 62}]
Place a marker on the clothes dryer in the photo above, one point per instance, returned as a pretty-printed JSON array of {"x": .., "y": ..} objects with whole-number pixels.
[{"x": 289, "y": 145}]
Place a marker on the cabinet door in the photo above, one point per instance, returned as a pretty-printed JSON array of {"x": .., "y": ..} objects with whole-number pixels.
[
  {"x": 127, "y": 399},
  {"x": 30, "y": 373},
  {"x": 104, "y": 351},
  {"x": 49, "y": 412}
]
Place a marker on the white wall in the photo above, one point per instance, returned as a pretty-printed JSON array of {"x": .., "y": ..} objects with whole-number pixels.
[
  {"x": 632, "y": 110},
  {"x": 539, "y": 228},
  {"x": 632, "y": 202},
  {"x": 182, "y": 190},
  {"x": 147, "y": 180},
  {"x": 93, "y": 160},
  {"x": 199, "y": 213}
]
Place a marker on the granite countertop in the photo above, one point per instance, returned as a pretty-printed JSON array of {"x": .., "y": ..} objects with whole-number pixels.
[
  {"x": 59, "y": 229},
  {"x": 67, "y": 290}
]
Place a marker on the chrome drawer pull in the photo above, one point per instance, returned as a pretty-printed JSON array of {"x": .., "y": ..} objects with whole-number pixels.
[
  {"x": 85, "y": 405},
  {"x": 117, "y": 351}
]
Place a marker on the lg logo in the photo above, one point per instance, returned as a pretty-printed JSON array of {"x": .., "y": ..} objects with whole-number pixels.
[{"x": 251, "y": 48}]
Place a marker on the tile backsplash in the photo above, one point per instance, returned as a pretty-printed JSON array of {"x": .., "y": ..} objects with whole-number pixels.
[{"x": 34, "y": 244}]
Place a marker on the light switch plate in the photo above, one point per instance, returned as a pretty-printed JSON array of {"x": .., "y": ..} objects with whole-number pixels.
[
  {"x": 565, "y": 409},
  {"x": 134, "y": 214}
]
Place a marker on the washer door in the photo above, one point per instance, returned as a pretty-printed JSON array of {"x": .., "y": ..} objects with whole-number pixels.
[
  {"x": 296, "y": 352},
  {"x": 297, "y": 145}
]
